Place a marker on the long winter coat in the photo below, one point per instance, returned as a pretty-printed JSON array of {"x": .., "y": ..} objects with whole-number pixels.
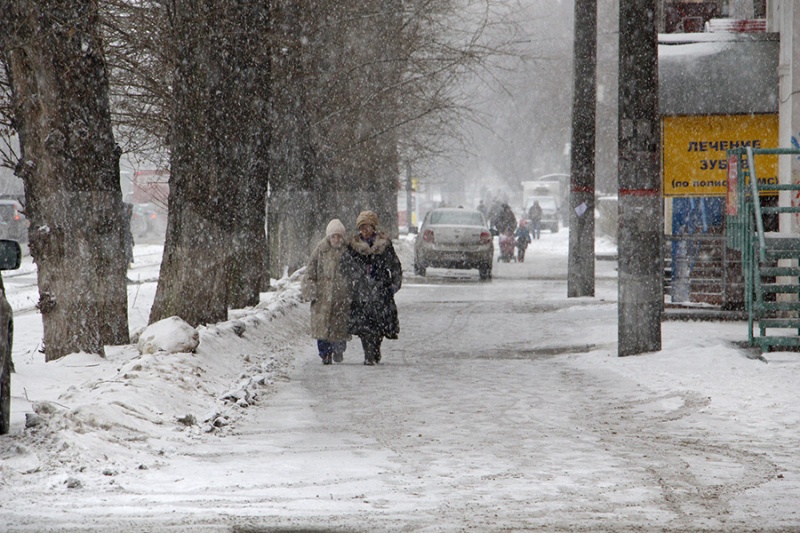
[
  {"x": 326, "y": 285},
  {"x": 505, "y": 221},
  {"x": 377, "y": 275}
]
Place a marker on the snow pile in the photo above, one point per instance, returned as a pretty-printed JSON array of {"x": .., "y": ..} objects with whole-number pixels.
[
  {"x": 404, "y": 248},
  {"x": 128, "y": 410},
  {"x": 171, "y": 335}
]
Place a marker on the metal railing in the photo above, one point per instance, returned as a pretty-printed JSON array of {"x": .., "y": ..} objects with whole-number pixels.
[{"x": 745, "y": 221}]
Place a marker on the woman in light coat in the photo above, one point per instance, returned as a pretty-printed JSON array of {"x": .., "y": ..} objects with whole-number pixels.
[{"x": 326, "y": 285}]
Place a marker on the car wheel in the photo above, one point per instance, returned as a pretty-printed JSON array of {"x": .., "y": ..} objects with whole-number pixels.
[
  {"x": 419, "y": 270},
  {"x": 5, "y": 396},
  {"x": 485, "y": 272}
]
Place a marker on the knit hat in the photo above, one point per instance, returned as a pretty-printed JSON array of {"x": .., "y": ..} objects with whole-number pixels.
[
  {"x": 335, "y": 226},
  {"x": 369, "y": 218}
]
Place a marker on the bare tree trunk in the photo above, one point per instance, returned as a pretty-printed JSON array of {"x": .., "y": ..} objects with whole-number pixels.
[
  {"x": 248, "y": 272},
  {"x": 337, "y": 70},
  {"x": 376, "y": 71},
  {"x": 245, "y": 136},
  {"x": 295, "y": 205},
  {"x": 218, "y": 146},
  {"x": 69, "y": 166},
  {"x": 192, "y": 282}
]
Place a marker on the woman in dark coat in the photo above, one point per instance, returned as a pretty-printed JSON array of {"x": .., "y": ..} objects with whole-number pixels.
[{"x": 377, "y": 275}]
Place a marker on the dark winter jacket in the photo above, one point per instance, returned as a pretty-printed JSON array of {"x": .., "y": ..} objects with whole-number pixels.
[
  {"x": 376, "y": 275},
  {"x": 522, "y": 237},
  {"x": 505, "y": 221},
  {"x": 535, "y": 212}
]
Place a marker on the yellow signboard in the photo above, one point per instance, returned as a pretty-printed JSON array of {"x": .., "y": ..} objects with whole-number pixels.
[{"x": 694, "y": 151}]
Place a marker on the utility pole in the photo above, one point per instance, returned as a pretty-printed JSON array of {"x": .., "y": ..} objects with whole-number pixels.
[
  {"x": 580, "y": 281},
  {"x": 409, "y": 200},
  {"x": 640, "y": 299}
]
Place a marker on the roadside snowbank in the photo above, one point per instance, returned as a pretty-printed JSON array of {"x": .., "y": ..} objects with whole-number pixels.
[{"x": 89, "y": 417}]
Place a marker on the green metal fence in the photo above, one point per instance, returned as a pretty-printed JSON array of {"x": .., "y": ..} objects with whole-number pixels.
[{"x": 760, "y": 250}]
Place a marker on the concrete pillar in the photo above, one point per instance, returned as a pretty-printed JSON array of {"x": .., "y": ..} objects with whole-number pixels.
[
  {"x": 784, "y": 19},
  {"x": 641, "y": 269},
  {"x": 582, "y": 165}
]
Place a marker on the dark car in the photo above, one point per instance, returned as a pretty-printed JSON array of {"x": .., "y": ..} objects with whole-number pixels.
[
  {"x": 10, "y": 256},
  {"x": 454, "y": 238},
  {"x": 13, "y": 224},
  {"x": 148, "y": 219}
]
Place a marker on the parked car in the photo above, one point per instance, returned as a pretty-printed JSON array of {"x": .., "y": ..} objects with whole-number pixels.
[
  {"x": 10, "y": 256},
  {"x": 454, "y": 238},
  {"x": 148, "y": 219},
  {"x": 13, "y": 224},
  {"x": 550, "y": 211}
]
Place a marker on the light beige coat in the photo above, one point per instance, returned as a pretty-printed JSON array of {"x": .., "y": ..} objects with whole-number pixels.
[{"x": 326, "y": 286}]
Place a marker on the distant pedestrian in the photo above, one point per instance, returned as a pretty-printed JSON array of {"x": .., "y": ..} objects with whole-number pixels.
[
  {"x": 377, "y": 276},
  {"x": 522, "y": 238},
  {"x": 494, "y": 210},
  {"x": 483, "y": 209},
  {"x": 535, "y": 216},
  {"x": 326, "y": 285},
  {"x": 505, "y": 221}
]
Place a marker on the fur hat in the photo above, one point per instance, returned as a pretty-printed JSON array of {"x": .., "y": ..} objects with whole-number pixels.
[
  {"x": 335, "y": 226},
  {"x": 369, "y": 218}
]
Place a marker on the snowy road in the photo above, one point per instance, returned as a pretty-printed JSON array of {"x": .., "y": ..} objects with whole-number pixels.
[
  {"x": 502, "y": 407},
  {"x": 479, "y": 421}
]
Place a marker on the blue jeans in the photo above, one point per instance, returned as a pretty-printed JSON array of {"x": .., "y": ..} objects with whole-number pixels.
[{"x": 331, "y": 348}]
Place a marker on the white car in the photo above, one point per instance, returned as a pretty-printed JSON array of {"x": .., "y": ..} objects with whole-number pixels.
[{"x": 454, "y": 238}]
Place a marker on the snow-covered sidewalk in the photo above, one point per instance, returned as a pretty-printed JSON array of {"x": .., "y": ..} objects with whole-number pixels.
[{"x": 503, "y": 406}]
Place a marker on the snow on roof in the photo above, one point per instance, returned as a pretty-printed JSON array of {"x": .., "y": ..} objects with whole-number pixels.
[{"x": 718, "y": 74}]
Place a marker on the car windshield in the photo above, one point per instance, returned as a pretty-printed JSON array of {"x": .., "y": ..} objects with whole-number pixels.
[{"x": 457, "y": 218}]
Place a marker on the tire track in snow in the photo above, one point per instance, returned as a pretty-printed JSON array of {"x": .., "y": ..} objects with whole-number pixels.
[{"x": 658, "y": 431}]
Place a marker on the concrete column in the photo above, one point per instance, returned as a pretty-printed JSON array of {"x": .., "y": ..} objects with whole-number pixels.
[
  {"x": 791, "y": 31},
  {"x": 582, "y": 174},
  {"x": 782, "y": 20},
  {"x": 785, "y": 18},
  {"x": 641, "y": 269}
]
